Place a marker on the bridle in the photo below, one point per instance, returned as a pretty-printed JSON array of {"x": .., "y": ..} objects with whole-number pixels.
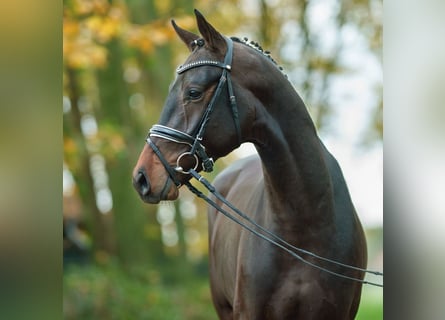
[{"x": 198, "y": 153}]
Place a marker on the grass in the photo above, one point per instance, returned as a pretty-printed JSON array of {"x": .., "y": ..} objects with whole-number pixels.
[
  {"x": 109, "y": 292},
  {"x": 176, "y": 292},
  {"x": 371, "y": 306}
]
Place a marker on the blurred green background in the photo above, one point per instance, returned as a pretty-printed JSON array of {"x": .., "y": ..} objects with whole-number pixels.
[{"x": 124, "y": 259}]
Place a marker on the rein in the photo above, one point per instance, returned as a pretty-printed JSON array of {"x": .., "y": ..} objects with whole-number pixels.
[
  {"x": 198, "y": 153},
  {"x": 268, "y": 235}
]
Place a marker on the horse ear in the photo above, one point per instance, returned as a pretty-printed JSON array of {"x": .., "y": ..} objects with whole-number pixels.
[
  {"x": 214, "y": 40},
  {"x": 186, "y": 36}
]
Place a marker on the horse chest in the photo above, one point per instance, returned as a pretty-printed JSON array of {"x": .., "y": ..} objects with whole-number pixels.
[{"x": 241, "y": 263}]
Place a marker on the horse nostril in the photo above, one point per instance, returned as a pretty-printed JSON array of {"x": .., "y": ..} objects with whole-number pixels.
[{"x": 141, "y": 183}]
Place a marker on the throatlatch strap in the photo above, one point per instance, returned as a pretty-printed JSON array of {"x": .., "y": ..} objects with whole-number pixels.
[{"x": 234, "y": 108}]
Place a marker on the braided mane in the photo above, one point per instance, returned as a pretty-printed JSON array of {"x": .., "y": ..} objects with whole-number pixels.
[{"x": 257, "y": 47}]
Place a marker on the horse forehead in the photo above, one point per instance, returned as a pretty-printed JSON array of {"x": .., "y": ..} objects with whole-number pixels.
[{"x": 204, "y": 54}]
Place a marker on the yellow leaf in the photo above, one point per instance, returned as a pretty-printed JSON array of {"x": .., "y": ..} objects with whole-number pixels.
[
  {"x": 163, "y": 6},
  {"x": 83, "y": 6},
  {"x": 100, "y": 6},
  {"x": 159, "y": 36},
  {"x": 69, "y": 146},
  {"x": 70, "y": 27}
]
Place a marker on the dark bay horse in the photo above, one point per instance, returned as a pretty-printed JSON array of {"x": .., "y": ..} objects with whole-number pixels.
[{"x": 227, "y": 93}]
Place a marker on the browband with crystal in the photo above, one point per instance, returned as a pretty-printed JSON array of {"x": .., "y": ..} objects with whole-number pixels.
[{"x": 200, "y": 63}]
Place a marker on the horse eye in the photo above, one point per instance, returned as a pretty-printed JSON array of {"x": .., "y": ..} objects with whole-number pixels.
[{"x": 194, "y": 94}]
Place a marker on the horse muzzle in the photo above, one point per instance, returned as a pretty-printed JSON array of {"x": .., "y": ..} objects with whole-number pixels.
[
  {"x": 141, "y": 183},
  {"x": 151, "y": 180}
]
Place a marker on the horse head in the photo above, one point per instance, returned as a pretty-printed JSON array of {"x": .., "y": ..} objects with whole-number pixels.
[{"x": 201, "y": 119}]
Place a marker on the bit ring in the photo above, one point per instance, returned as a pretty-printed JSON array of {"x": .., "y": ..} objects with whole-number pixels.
[{"x": 180, "y": 169}]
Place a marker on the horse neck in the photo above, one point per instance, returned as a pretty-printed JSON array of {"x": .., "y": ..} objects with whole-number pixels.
[{"x": 297, "y": 180}]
